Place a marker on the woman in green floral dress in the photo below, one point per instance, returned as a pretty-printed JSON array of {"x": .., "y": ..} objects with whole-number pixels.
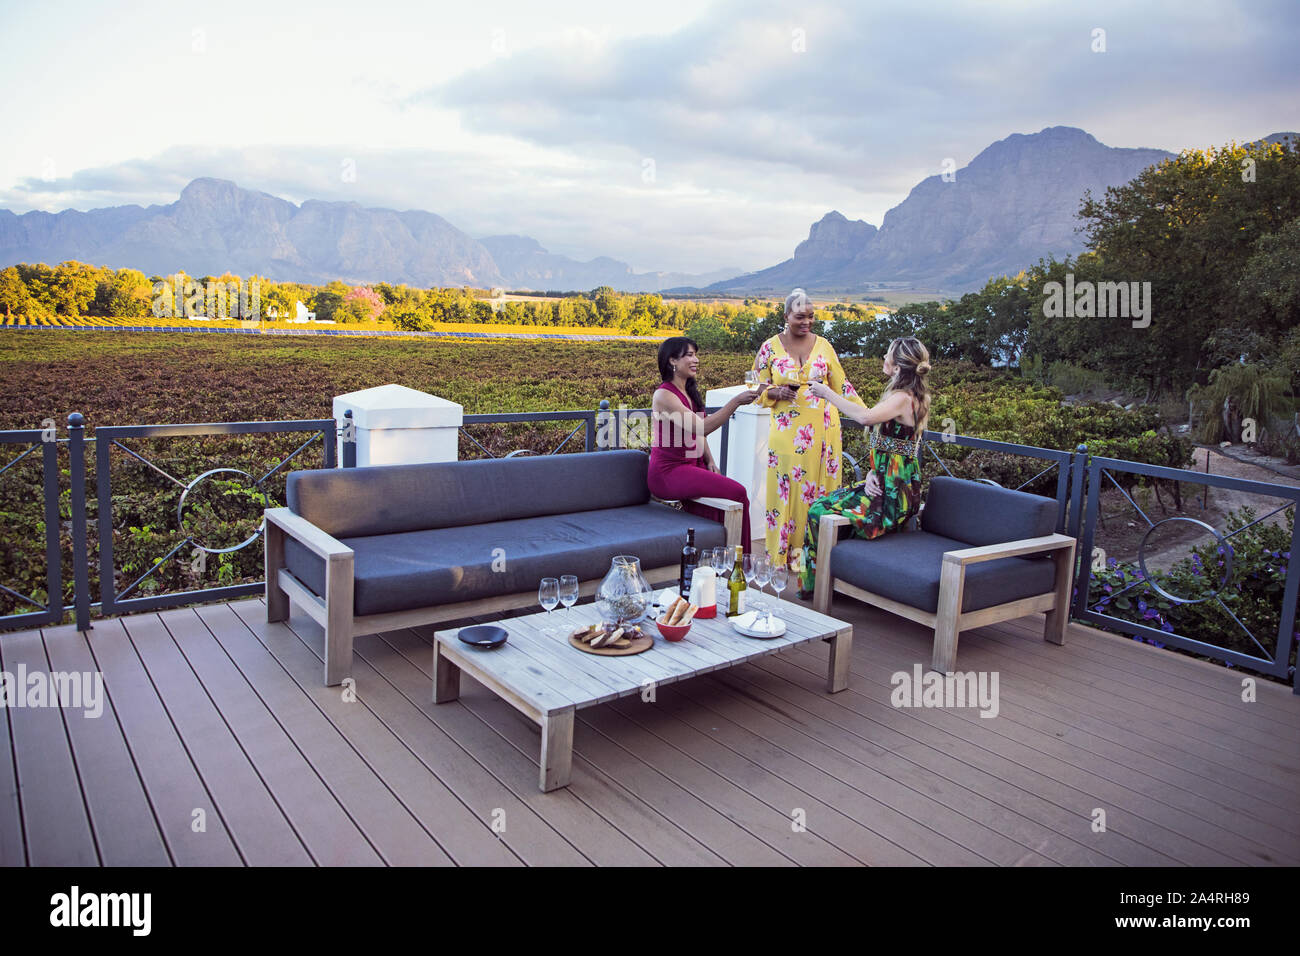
[{"x": 890, "y": 495}]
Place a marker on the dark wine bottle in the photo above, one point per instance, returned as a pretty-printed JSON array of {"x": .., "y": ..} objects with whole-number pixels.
[{"x": 690, "y": 558}]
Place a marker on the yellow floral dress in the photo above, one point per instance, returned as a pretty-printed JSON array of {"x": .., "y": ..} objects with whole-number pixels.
[{"x": 803, "y": 445}]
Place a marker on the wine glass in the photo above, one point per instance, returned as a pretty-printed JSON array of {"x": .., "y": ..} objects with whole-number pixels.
[
  {"x": 569, "y": 594},
  {"x": 780, "y": 578},
  {"x": 762, "y": 574},
  {"x": 548, "y": 595},
  {"x": 747, "y": 566},
  {"x": 751, "y": 380},
  {"x": 720, "y": 560}
]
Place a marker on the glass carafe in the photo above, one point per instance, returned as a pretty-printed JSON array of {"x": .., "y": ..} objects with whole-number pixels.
[{"x": 624, "y": 595}]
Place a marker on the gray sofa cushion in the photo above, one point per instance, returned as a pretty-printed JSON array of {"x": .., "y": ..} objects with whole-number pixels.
[
  {"x": 412, "y": 569},
  {"x": 977, "y": 514},
  {"x": 905, "y": 567},
  {"x": 391, "y": 499}
]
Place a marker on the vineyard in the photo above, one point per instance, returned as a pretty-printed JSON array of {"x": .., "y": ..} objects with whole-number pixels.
[{"x": 477, "y": 329}]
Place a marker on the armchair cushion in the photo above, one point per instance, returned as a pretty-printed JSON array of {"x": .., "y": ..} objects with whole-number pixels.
[
  {"x": 906, "y": 566},
  {"x": 973, "y": 513}
]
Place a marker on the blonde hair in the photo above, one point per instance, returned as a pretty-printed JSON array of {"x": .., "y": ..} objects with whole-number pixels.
[
  {"x": 911, "y": 365},
  {"x": 796, "y": 300}
]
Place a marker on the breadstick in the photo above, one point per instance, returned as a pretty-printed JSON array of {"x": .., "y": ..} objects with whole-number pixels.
[
  {"x": 690, "y": 613},
  {"x": 679, "y": 613},
  {"x": 672, "y": 611}
]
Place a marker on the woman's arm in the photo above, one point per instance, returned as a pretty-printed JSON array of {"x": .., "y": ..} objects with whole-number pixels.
[
  {"x": 838, "y": 381},
  {"x": 665, "y": 403},
  {"x": 888, "y": 408}
]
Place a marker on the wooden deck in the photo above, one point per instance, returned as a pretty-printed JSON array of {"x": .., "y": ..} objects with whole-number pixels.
[{"x": 216, "y": 718}]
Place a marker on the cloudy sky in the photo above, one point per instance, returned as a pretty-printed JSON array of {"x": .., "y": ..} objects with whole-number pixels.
[{"x": 673, "y": 135}]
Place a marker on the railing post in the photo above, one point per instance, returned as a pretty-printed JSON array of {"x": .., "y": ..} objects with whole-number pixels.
[
  {"x": 726, "y": 438},
  {"x": 331, "y": 451},
  {"x": 598, "y": 426},
  {"x": 53, "y": 552},
  {"x": 1081, "y": 528},
  {"x": 80, "y": 545},
  {"x": 349, "y": 440}
]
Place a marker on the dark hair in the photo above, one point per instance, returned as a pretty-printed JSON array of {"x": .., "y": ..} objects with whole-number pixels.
[{"x": 675, "y": 348}]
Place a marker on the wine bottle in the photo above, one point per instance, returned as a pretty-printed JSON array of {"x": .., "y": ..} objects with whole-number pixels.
[
  {"x": 690, "y": 559},
  {"x": 736, "y": 585}
]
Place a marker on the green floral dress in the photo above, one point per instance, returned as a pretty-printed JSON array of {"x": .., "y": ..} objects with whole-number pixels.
[{"x": 898, "y": 503}]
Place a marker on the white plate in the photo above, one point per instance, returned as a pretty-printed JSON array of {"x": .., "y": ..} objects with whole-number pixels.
[{"x": 745, "y": 624}]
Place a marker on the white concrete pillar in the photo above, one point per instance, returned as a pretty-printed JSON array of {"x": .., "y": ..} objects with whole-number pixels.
[
  {"x": 396, "y": 425},
  {"x": 746, "y": 451}
]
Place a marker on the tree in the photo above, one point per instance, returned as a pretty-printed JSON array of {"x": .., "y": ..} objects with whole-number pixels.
[
  {"x": 14, "y": 297},
  {"x": 359, "y": 305},
  {"x": 1190, "y": 226}
]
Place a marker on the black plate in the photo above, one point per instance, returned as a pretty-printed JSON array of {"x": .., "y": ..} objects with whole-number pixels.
[{"x": 483, "y": 635}]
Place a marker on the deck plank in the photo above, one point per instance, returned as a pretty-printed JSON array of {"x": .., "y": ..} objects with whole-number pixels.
[
  {"x": 13, "y": 849},
  {"x": 255, "y": 821},
  {"x": 1212, "y": 771},
  {"x": 387, "y": 824},
  {"x": 1119, "y": 791},
  {"x": 598, "y": 816},
  {"x": 592, "y": 836},
  {"x": 461, "y": 834},
  {"x": 174, "y": 786},
  {"x": 55, "y": 819},
  {"x": 708, "y": 773},
  {"x": 1220, "y": 808},
  {"x": 330, "y": 836},
  {"x": 522, "y": 830},
  {"x": 125, "y": 828}
]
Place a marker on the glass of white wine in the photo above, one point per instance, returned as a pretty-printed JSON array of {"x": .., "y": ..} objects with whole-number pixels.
[
  {"x": 751, "y": 380},
  {"x": 548, "y": 595},
  {"x": 569, "y": 594}
]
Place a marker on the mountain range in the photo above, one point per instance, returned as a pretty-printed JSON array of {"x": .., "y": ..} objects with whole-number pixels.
[
  {"x": 216, "y": 226},
  {"x": 1015, "y": 202}
]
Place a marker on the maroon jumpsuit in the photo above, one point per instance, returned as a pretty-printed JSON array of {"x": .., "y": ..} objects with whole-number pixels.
[{"x": 679, "y": 472}]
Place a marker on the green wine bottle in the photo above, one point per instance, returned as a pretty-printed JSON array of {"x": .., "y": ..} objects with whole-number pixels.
[{"x": 736, "y": 586}]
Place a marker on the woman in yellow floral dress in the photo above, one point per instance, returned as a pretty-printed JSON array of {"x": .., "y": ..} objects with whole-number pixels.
[{"x": 803, "y": 445}]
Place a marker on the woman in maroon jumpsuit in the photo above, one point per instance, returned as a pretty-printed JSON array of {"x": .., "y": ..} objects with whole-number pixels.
[{"x": 681, "y": 465}]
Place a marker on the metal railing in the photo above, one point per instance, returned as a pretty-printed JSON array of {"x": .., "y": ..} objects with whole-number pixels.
[
  {"x": 1103, "y": 470},
  {"x": 1078, "y": 485},
  {"x": 50, "y": 611}
]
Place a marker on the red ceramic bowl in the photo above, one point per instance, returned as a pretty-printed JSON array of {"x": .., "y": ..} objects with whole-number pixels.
[{"x": 672, "y": 632}]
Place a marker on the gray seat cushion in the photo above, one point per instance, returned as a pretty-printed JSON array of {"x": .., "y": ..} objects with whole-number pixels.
[
  {"x": 905, "y": 567},
  {"x": 977, "y": 514},
  {"x": 413, "y": 569},
  {"x": 390, "y": 499}
]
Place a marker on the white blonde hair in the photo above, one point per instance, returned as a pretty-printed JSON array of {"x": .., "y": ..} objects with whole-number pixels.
[{"x": 796, "y": 300}]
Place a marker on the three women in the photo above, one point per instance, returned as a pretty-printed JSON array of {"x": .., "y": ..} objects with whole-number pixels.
[{"x": 803, "y": 383}]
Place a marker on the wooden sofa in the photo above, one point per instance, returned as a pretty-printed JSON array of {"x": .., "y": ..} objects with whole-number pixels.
[
  {"x": 367, "y": 550},
  {"x": 984, "y": 554}
]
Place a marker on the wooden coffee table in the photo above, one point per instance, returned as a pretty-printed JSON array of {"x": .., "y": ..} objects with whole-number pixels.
[{"x": 549, "y": 680}]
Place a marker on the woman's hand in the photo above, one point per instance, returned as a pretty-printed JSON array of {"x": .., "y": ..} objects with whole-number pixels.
[
  {"x": 713, "y": 467},
  {"x": 821, "y": 390},
  {"x": 781, "y": 393},
  {"x": 873, "y": 484},
  {"x": 745, "y": 397}
]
